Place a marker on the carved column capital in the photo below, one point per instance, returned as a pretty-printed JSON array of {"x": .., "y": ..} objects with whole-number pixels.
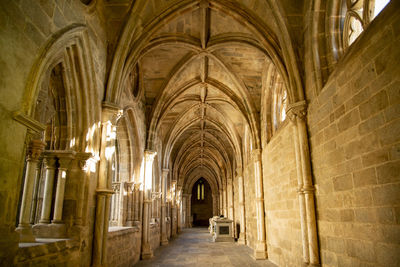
[
  {"x": 49, "y": 160},
  {"x": 137, "y": 186},
  {"x": 149, "y": 155},
  {"x": 129, "y": 186},
  {"x": 35, "y": 149},
  {"x": 297, "y": 110},
  {"x": 82, "y": 159},
  {"x": 116, "y": 186},
  {"x": 155, "y": 195},
  {"x": 65, "y": 158},
  {"x": 110, "y": 113}
]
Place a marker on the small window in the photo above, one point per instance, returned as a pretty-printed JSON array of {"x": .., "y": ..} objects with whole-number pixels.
[
  {"x": 358, "y": 14},
  {"x": 279, "y": 98},
  {"x": 200, "y": 191}
]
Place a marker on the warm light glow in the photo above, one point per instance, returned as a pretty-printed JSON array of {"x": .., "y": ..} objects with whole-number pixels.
[
  {"x": 110, "y": 152},
  {"x": 72, "y": 142},
  {"x": 379, "y": 5},
  {"x": 148, "y": 173},
  {"x": 63, "y": 174}
]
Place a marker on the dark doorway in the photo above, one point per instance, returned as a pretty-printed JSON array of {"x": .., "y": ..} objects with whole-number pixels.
[{"x": 201, "y": 203}]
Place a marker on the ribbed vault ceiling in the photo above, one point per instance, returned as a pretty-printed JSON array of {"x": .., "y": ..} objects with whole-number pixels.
[{"x": 202, "y": 78}]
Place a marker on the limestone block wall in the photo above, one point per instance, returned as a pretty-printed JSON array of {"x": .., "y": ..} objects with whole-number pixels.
[
  {"x": 250, "y": 206},
  {"x": 60, "y": 253},
  {"x": 354, "y": 130},
  {"x": 236, "y": 206},
  {"x": 154, "y": 236},
  {"x": 123, "y": 246},
  {"x": 282, "y": 215},
  {"x": 25, "y": 29}
]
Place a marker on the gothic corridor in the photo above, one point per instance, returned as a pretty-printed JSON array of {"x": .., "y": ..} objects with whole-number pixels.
[{"x": 127, "y": 127}]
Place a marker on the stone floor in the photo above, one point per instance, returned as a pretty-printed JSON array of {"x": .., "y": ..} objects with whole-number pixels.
[{"x": 193, "y": 247}]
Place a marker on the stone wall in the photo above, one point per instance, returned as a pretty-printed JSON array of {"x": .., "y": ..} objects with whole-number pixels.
[
  {"x": 250, "y": 207},
  {"x": 123, "y": 246},
  {"x": 282, "y": 218},
  {"x": 154, "y": 236},
  {"x": 354, "y": 133},
  {"x": 53, "y": 253},
  {"x": 26, "y": 27}
]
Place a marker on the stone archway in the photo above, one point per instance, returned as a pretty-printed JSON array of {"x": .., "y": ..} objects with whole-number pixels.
[{"x": 201, "y": 203}]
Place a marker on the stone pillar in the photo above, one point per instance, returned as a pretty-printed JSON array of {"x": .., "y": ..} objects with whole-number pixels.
[
  {"x": 35, "y": 195},
  {"x": 136, "y": 213},
  {"x": 64, "y": 159},
  {"x": 215, "y": 204},
  {"x": 81, "y": 180},
  {"x": 189, "y": 210},
  {"x": 221, "y": 203},
  {"x": 230, "y": 200},
  {"x": 50, "y": 166},
  {"x": 297, "y": 114},
  {"x": 115, "y": 203},
  {"x": 179, "y": 209},
  {"x": 24, "y": 228},
  {"x": 260, "y": 250},
  {"x": 164, "y": 238},
  {"x": 242, "y": 235},
  {"x": 147, "y": 252},
  {"x": 110, "y": 114},
  {"x": 173, "y": 209},
  {"x": 129, "y": 188},
  {"x": 225, "y": 202},
  {"x": 184, "y": 211}
]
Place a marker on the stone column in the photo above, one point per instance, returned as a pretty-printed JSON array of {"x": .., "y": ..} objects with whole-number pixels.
[
  {"x": 225, "y": 202},
  {"x": 173, "y": 208},
  {"x": 189, "y": 210},
  {"x": 147, "y": 252},
  {"x": 50, "y": 165},
  {"x": 230, "y": 200},
  {"x": 136, "y": 213},
  {"x": 215, "y": 204},
  {"x": 260, "y": 250},
  {"x": 81, "y": 180},
  {"x": 64, "y": 159},
  {"x": 115, "y": 203},
  {"x": 164, "y": 238},
  {"x": 129, "y": 188},
  {"x": 242, "y": 235},
  {"x": 184, "y": 211},
  {"x": 24, "y": 228},
  {"x": 221, "y": 203},
  {"x": 297, "y": 114},
  {"x": 101, "y": 227},
  {"x": 110, "y": 114},
  {"x": 35, "y": 195}
]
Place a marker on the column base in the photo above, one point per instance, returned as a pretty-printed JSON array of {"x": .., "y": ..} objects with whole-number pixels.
[
  {"x": 164, "y": 242},
  {"x": 25, "y": 234},
  {"x": 307, "y": 264},
  {"x": 260, "y": 253},
  {"x": 241, "y": 240},
  {"x": 147, "y": 253}
]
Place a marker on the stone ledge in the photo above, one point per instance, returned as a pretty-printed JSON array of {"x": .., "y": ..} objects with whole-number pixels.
[
  {"x": 44, "y": 247},
  {"x": 122, "y": 230}
]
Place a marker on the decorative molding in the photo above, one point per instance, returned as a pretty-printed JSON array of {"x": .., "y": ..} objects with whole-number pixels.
[
  {"x": 29, "y": 122},
  {"x": 297, "y": 110}
]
